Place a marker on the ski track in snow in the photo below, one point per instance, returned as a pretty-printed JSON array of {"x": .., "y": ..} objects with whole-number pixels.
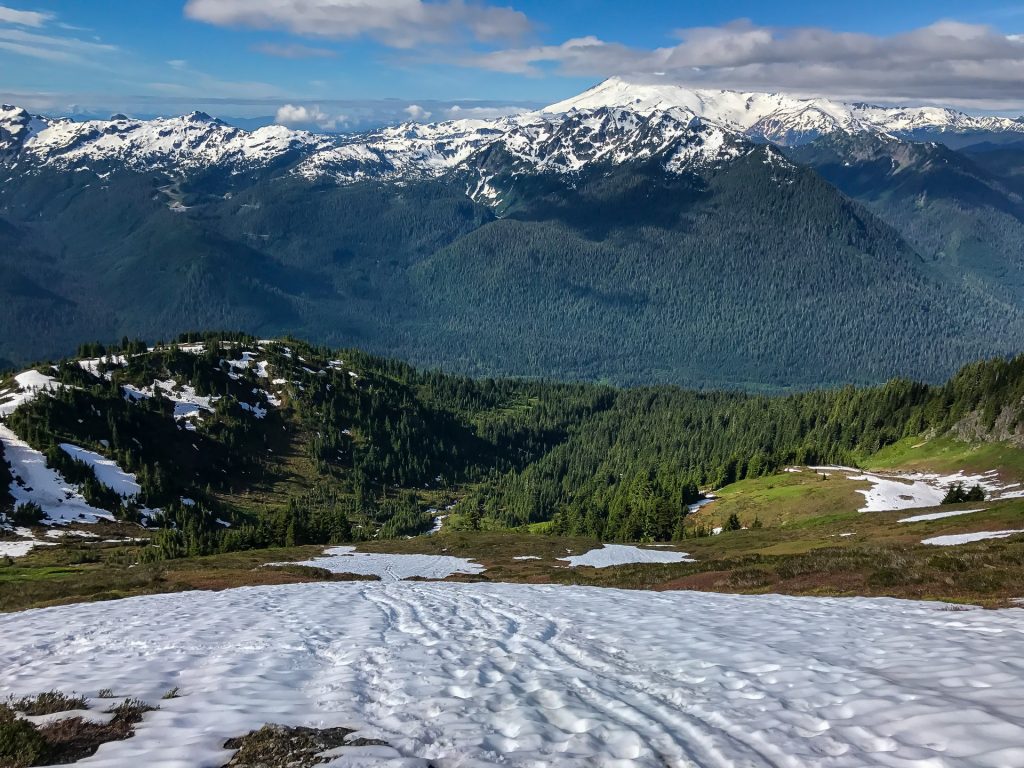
[{"x": 539, "y": 675}]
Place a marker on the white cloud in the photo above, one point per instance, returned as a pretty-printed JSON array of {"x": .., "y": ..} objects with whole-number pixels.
[
  {"x": 23, "y": 18},
  {"x": 294, "y": 51},
  {"x": 417, "y": 113},
  {"x": 396, "y": 23},
  {"x": 299, "y": 116},
  {"x": 945, "y": 61},
  {"x": 57, "y": 48},
  {"x": 458, "y": 112}
]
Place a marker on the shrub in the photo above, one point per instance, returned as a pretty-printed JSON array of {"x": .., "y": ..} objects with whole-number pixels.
[
  {"x": 48, "y": 703},
  {"x": 20, "y": 743}
]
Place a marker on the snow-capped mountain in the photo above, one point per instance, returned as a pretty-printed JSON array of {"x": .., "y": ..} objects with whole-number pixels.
[
  {"x": 614, "y": 122},
  {"x": 532, "y": 142},
  {"x": 190, "y": 141},
  {"x": 778, "y": 117}
]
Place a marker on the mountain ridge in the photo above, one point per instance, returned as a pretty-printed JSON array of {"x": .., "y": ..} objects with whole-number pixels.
[{"x": 197, "y": 141}]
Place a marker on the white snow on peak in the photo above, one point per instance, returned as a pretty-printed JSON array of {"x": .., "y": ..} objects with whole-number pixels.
[
  {"x": 190, "y": 141},
  {"x": 777, "y": 117},
  {"x": 613, "y": 122},
  {"x": 541, "y": 675},
  {"x": 534, "y": 142}
]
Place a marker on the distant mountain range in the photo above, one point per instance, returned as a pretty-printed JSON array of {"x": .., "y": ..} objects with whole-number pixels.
[{"x": 636, "y": 233}]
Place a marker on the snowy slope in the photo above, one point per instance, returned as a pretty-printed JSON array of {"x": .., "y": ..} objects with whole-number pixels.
[
  {"x": 613, "y": 122},
  {"x": 777, "y": 117},
  {"x": 527, "y": 675},
  {"x": 35, "y": 482},
  {"x": 191, "y": 141}
]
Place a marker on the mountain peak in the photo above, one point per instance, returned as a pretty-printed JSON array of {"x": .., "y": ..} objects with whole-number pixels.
[{"x": 777, "y": 117}]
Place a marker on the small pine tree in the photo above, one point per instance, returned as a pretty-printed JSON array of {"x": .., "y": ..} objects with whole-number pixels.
[
  {"x": 956, "y": 494},
  {"x": 476, "y": 516},
  {"x": 733, "y": 523}
]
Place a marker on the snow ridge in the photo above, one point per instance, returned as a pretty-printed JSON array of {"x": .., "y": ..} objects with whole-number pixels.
[
  {"x": 614, "y": 122},
  {"x": 778, "y": 117}
]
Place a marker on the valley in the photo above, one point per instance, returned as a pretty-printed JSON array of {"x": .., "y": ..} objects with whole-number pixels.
[
  {"x": 611, "y": 217},
  {"x": 159, "y": 504},
  {"x": 677, "y": 423}
]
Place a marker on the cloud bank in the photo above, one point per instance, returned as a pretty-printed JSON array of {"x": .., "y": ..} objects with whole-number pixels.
[
  {"x": 395, "y": 23},
  {"x": 947, "y": 61}
]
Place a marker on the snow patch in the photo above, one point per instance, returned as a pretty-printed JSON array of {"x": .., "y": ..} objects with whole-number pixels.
[
  {"x": 967, "y": 538},
  {"x": 938, "y": 515},
  {"x": 623, "y": 554},
  {"x": 390, "y": 567},
  {"x": 106, "y": 470},
  {"x": 35, "y": 482}
]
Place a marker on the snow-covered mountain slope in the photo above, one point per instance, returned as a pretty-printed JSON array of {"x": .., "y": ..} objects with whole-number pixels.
[
  {"x": 614, "y": 122},
  {"x": 531, "y": 143},
  {"x": 192, "y": 141},
  {"x": 778, "y": 117}
]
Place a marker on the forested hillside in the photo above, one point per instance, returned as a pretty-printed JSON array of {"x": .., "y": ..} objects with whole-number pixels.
[
  {"x": 228, "y": 442},
  {"x": 962, "y": 211},
  {"x": 753, "y": 273}
]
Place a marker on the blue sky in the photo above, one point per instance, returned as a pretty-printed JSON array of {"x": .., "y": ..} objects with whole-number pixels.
[{"x": 337, "y": 63}]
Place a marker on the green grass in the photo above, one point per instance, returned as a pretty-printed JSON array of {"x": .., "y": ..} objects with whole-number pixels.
[
  {"x": 812, "y": 541},
  {"x": 948, "y": 455},
  {"x": 787, "y": 498}
]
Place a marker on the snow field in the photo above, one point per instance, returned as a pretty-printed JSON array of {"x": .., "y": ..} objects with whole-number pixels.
[
  {"x": 18, "y": 548},
  {"x": 390, "y": 567},
  {"x": 537, "y": 675},
  {"x": 622, "y": 554}
]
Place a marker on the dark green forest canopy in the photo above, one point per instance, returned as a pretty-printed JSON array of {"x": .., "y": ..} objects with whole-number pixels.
[
  {"x": 754, "y": 275},
  {"x": 361, "y": 441}
]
